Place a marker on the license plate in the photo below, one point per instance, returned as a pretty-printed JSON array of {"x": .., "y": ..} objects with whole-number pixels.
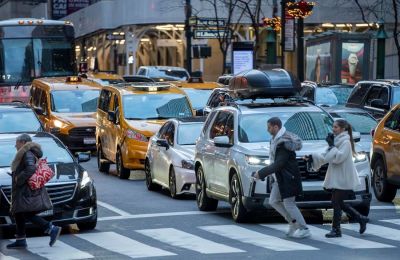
[
  {"x": 89, "y": 140},
  {"x": 46, "y": 213}
]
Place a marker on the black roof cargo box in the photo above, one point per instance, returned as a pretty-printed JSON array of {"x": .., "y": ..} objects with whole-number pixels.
[{"x": 264, "y": 84}]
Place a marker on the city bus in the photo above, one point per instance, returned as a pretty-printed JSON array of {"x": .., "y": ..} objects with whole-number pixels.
[{"x": 33, "y": 48}]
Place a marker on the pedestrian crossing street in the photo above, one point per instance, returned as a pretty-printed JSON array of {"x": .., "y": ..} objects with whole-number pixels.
[{"x": 232, "y": 239}]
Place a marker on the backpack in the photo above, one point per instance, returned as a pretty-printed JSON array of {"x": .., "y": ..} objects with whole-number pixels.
[{"x": 41, "y": 176}]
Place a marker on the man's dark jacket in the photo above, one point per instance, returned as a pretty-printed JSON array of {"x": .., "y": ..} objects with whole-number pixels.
[
  {"x": 285, "y": 166},
  {"x": 23, "y": 198}
]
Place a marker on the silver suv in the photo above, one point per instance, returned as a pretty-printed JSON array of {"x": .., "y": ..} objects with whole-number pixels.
[{"x": 234, "y": 143}]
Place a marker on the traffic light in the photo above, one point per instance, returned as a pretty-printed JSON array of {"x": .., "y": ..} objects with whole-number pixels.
[{"x": 201, "y": 51}]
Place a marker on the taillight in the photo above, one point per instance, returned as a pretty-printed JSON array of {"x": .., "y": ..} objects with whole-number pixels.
[
  {"x": 372, "y": 132},
  {"x": 136, "y": 136}
]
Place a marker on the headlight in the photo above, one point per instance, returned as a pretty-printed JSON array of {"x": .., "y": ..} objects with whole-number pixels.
[
  {"x": 136, "y": 136},
  {"x": 85, "y": 179},
  {"x": 58, "y": 124},
  {"x": 359, "y": 157},
  {"x": 187, "y": 164},
  {"x": 257, "y": 160}
]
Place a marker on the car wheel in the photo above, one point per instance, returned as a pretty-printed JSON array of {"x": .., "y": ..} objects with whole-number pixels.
[
  {"x": 149, "y": 182},
  {"x": 87, "y": 225},
  {"x": 123, "y": 172},
  {"x": 102, "y": 165},
  {"x": 239, "y": 212},
  {"x": 204, "y": 203},
  {"x": 172, "y": 183},
  {"x": 383, "y": 190}
]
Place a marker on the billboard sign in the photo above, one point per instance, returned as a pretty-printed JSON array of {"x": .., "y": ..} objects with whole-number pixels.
[
  {"x": 318, "y": 63},
  {"x": 352, "y": 62}
]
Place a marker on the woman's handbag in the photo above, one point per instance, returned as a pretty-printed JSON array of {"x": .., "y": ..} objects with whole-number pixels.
[{"x": 41, "y": 176}]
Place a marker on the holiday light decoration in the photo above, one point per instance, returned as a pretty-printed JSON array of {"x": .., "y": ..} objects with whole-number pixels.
[
  {"x": 274, "y": 23},
  {"x": 301, "y": 9}
]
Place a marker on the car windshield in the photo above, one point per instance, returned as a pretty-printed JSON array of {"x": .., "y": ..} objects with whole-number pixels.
[
  {"x": 361, "y": 122},
  {"x": 325, "y": 96},
  {"x": 156, "y": 106},
  {"x": 53, "y": 151},
  {"x": 74, "y": 101},
  {"x": 307, "y": 125},
  {"x": 198, "y": 97},
  {"x": 19, "y": 122},
  {"x": 396, "y": 96},
  {"x": 188, "y": 133},
  {"x": 342, "y": 94},
  {"x": 169, "y": 74}
]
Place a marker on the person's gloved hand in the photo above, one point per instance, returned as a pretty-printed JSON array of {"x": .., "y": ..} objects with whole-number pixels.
[{"x": 330, "y": 139}]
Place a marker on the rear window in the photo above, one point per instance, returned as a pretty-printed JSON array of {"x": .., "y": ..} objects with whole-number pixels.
[{"x": 19, "y": 122}]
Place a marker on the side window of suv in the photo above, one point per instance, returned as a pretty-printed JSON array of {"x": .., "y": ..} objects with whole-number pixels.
[
  {"x": 218, "y": 127},
  {"x": 229, "y": 128},
  {"x": 373, "y": 94},
  {"x": 208, "y": 121},
  {"x": 358, "y": 93},
  {"x": 393, "y": 122}
]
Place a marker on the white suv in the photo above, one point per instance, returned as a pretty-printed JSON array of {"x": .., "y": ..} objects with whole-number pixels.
[{"x": 234, "y": 143}]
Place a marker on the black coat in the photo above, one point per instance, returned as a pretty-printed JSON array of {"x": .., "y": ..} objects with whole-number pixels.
[
  {"x": 23, "y": 199},
  {"x": 286, "y": 171}
]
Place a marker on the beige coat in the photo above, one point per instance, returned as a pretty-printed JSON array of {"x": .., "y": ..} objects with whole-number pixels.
[{"x": 341, "y": 173}]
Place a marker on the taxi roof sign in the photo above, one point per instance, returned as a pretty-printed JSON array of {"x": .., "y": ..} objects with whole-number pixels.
[
  {"x": 147, "y": 86},
  {"x": 264, "y": 84},
  {"x": 72, "y": 79}
]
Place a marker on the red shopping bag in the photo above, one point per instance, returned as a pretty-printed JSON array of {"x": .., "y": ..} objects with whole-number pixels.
[{"x": 41, "y": 176}]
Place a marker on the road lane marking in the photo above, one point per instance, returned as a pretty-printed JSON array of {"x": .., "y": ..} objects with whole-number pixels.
[
  {"x": 117, "y": 243},
  {"x": 188, "y": 241},
  {"x": 345, "y": 241},
  {"x": 385, "y": 207},
  {"x": 392, "y": 221},
  {"x": 113, "y": 209},
  {"x": 164, "y": 214},
  {"x": 255, "y": 238},
  {"x": 6, "y": 257},
  {"x": 60, "y": 250},
  {"x": 376, "y": 230}
]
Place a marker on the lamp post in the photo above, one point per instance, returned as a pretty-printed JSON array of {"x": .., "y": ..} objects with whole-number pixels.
[
  {"x": 300, "y": 49},
  {"x": 380, "y": 55},
  {"x": 188, "y": 34}
]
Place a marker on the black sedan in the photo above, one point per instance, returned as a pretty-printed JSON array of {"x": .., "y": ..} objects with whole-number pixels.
[{"x": 71, "y": 190}]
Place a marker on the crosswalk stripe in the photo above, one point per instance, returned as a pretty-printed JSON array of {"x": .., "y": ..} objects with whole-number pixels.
[
  {"x": 255, "y": 238},
  {"x": 185, "y": 240},
  {"x": 6, "y": 257},
  {"x": 392, "y": 221},
  {"x": 376, "y": 230},
  {"x": 123, "y": 245},
  {"x": 59, "y": 251},
  {"x": 345, "y": 241}
]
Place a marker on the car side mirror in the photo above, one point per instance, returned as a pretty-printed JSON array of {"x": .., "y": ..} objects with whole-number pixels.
[
  {"x": 378, "y": 103},
  {"x": 222, "y": 141},
  {"x": 162, "y": 143},
  {"x": 200, "y": 112},
  {"x": 356, "y": 137},
  {"x": 111, "y": 116},
  {"x": 206, "y": 110},
  {"x": 83, "y": 156},
  {"x": 39, "y": 111}
]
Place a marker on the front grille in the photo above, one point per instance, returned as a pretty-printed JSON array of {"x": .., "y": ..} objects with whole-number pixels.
[
  {"x": 83, "y": 131},
  {"x": 58, "y": 192},
  {"x": 307, "y": 175}
]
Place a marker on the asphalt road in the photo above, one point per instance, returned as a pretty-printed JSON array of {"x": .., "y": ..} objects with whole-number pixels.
[{"x": 135, "y": 223}]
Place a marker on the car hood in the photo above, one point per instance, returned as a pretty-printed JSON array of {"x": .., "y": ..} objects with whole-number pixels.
[
  {"x": 147, "y": 127},
  {"x": 185, "y": 151},
  {"x": 64, "y": 172},
  {"x": 78, "y": 119}
]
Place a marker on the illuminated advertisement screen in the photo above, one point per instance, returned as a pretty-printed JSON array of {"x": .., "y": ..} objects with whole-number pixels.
[
  {"x": 352, "y": 62},
  {"x": 318, "y": 63},
  {"x": 242, "y": 60}
]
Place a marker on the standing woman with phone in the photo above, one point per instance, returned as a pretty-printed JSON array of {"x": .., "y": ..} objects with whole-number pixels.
[{"x": 341, "y": 177}]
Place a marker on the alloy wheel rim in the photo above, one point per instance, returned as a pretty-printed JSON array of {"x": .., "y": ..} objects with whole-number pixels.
[
  {"x": 235, "y": 197},
  {"x": 199, "y": 187},
  {"x": 147, "y": 172},
  {"x": 379, "y": 179},
  {"x": 172, "y": 183}
]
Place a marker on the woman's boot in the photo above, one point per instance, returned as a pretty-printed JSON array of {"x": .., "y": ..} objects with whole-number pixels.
[
  {"x": 335, "y": 232},
  {"x": 361, "y": 219}
]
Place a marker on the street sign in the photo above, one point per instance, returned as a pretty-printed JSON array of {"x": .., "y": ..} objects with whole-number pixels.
[
  {"x": 114, "y": 37},
  {"x": 210, "y": 34},
  {"x": 207, "y": 22}
]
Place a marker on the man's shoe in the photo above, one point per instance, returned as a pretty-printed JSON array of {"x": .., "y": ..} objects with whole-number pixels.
[
  {"x": 363, "y": 224},
  {"x": 18, "y": 244},
  {"x": 54, "y": 234},
  {"x": 292, "y": 229},
  {"x": 335, "y": 232},
  {"x": 302, "y": 233}
]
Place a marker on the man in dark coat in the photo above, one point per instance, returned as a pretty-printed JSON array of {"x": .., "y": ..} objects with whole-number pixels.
[
  {"x": 286, "y": 176},
  {"x": 25, "y": 202}
]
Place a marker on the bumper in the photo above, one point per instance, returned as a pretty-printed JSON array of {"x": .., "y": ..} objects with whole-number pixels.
[
  {"x": 185, "y": 180},
  {"x": 134, "y": 155},
  {"x": 78, "y": 143}
]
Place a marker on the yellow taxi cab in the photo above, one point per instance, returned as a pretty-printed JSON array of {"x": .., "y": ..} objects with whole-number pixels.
[
  {"x": 385, "y": 156},
  {"x": 198, "y": 92},
  {"x": 67, "y": 106},
  {"x": 128, "y": 115},
  {"x": 104, "y": 78}
]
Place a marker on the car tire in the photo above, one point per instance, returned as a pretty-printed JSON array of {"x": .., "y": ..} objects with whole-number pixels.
[
  {"x": 123, "y": 172},
  {"x": 149, "y": 182},
  {"x": 102, "y": 165},
  {"x": 239, "y": 212},
  {"x": 172, "y": 183},
  {"x": 383, "y": 190},
  {"x": 90, "y": 225},
  {"x": 204, "y": 203}
]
